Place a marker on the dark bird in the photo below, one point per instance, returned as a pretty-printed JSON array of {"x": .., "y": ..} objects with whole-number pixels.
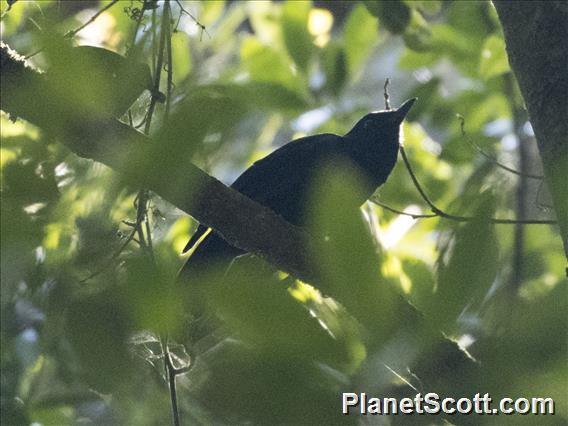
[{"x": 282, "y": 180}]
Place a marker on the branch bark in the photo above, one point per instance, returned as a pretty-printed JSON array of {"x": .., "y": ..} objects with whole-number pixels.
[
  {"x": 535, "y": 36},
  {"x": 143, "y": 162}
]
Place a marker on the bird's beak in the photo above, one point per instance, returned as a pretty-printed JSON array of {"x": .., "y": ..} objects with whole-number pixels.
[{"x": 404, "y": 108}]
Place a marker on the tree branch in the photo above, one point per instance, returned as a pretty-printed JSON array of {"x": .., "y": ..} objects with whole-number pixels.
[
  {"x": 143, "y": 162},
  {"x": 535, "y": 37}
]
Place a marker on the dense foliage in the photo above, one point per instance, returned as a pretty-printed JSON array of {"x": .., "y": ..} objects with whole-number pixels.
[{"x": 89, "y": 262}]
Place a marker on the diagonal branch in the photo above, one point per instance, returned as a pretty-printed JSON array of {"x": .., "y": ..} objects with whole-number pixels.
[{"x": 144, "y": 162}]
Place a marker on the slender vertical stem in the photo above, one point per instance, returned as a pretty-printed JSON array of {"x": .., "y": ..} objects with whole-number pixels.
[
  {"x": 522, "y": 187},
  {"x": 169, "y": 84}
]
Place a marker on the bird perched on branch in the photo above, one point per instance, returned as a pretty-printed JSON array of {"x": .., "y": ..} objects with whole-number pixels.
[{"x": 282, "y": 181}]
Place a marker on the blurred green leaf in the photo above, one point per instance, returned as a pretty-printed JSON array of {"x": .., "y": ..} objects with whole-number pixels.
[
  {"x": 260, "y": 310},
  {"x": 346, "y": 255},
  {"x": 25, "y": 180},
  {"x": 430, "y": 7},
  {"x": 411, "y": 59},
  {"x": 471, "y": 268},
  {"x": 418, "y": 35},
  {"x": 54, "y": 416},
  {"x": 257, "y": 96},
  {"x": 181, "y": 56},
  {"x": 285, "y": 351},
  {"x": 98, "y": 328},
  {"x": 96, "y": 238},
  {"x": 267, "y": 64},
  {"x": 360, "y": 37},
  {"x": 493, "y": 58},
  {"x": 295, "y": 32},
  {"x": 527, "y": 335},
  {"x": 115, "y": 81},
  {"x": 211, "y": 11},
  {"x": 149, "y": 297},
  {"x": 259, "y": 389},
  {"x": 335, "y": 66},
  {"x": 395, "y": 15},
  {"x": 471, "y": 19}
]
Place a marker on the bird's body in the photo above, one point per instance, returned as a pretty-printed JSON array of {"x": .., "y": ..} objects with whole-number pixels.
[{"x": 283, "y": 180}]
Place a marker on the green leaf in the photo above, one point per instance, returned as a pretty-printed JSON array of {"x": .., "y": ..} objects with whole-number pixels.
[
  {"x": 471, "y": 269},
  {"x": 260, "y": 310},
  {"x": 411, "y": 59},
  {"x": 335, "y": 67},
  {"x": 493, "y": 60},
  {"x": 395, "y": 15},
  {"x": 211, "y": 11},
  {"x": 418, "y": 35},
  {"x": 297, "y": 39},
  {"x": 149, "y": 296},
  {"x": 115, "y": 81},
  {"x": 471, "y": 18},
  {"x": 430, "y": 7},
  {"x": 360, "y": 36},
  {"x": 267, "y": 64},
  {"x": 258, "y": 389},
  {"x": 345, "y": 252},
  {"x": 181, "y": 56},
  {"x": 257, "y": 95},
  {"x": 98, "y": 329}
]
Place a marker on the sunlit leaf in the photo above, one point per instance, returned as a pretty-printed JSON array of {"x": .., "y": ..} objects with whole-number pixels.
[
  {"x": 267, "y": 64},
  {"x": 211, "y": 11},
  {"x": 493, "y": 57},
  {"x": 181, "y": 56},
  {"x": 260, "y": 310},
  {"x": 347, "y": 256}
]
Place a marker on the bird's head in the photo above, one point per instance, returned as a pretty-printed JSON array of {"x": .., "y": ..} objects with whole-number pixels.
[{"x": 381, "y": 124}]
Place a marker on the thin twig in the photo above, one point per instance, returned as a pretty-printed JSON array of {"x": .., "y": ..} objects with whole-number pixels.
[
  {"x": 517, "y": 264},
  {"x": 72, "y": 33},
  {"x": 169, "y": 84},
  {"x": 386, "y": 94},
  {"x": 154, "y": 47},
  {"x": 171, "y": 372},
  {"x": 457, "y": 218},
  {"x": 164, "y": 34},
  {"x": 112, "y": 259},
  {"x": 199, "y": 24},
  {"x": 140, "y": 203},
  {"x": 144, "y": 201},
  {"x": 400, "y": 212},
  {"x": 436, "y": 210},
  {"x": 159, "y": 65},
  {"x": 490, "y": 157},
  {"x": 139, "y": 18}
]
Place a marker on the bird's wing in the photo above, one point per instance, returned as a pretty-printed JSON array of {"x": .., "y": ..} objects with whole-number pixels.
[
  {"x": 273, "y": 180},
  {"x": 285, "y": 169}
]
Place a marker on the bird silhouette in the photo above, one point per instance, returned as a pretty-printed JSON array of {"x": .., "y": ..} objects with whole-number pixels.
[{"x": 283, "y": 180}]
